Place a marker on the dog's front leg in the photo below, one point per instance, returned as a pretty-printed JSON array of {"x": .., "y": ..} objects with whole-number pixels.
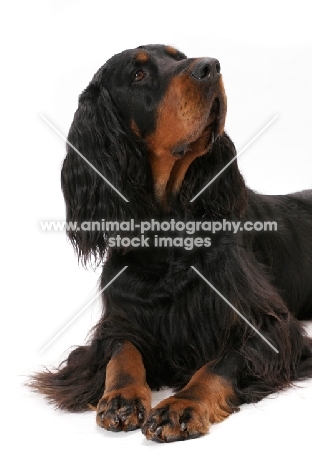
[
  {"x": 126, "y": 401},
  {"x": 209, "y": 397}
]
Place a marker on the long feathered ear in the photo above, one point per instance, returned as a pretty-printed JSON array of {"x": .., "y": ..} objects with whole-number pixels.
[{"x": 99, "y": 134}]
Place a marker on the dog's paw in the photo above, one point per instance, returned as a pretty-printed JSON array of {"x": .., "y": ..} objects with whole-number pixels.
[
  {"x": 124, "y": 410},
  {"x": 176, "y": 419}
]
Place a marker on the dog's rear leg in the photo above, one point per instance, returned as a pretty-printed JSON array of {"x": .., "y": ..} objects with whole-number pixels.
[{"x": 126, "y": 401}]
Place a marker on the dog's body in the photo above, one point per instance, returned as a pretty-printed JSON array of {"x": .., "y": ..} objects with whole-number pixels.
[{"x": 152, "y": 122}]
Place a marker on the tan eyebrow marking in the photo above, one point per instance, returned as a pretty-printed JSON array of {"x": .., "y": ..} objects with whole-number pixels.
[
  {"x": 171, "y": 50},
  {"x": 142, "y": 57}
]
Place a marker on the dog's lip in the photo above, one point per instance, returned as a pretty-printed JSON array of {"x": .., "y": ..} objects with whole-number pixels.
[
  {"x": 216, "y": 109},
  {"x": 212, "y": 123},
  {"x": 215, "y": 115},
  {"x": 215, "y": 97}
]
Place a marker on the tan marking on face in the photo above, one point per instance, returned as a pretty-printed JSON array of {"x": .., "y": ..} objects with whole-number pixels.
[
  {"x": 171, "y": 50},
  {"x": 177, "y": 174},
  {"x": 183, "y": 117},
  {"x": 142, "y": 57}
]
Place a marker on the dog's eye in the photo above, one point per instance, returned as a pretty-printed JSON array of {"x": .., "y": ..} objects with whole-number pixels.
[{"x": 139, "y": 75}]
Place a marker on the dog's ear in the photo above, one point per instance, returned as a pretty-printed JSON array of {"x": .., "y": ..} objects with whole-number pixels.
[
  {"x": 114, "y": 156},
  {"x": 229, "y": 190}
]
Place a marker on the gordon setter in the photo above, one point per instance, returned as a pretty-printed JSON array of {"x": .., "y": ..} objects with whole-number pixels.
[{"x": 151, "y": 122}]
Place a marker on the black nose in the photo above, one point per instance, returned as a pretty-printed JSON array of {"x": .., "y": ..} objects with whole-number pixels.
[{"x": 206, "y": 69}]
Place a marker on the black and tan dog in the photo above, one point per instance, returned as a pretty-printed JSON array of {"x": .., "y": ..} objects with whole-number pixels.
[{"x": 152, "y": 123}]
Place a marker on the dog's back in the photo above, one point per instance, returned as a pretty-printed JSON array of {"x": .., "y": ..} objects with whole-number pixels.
[{"x": 285, "y": 248}]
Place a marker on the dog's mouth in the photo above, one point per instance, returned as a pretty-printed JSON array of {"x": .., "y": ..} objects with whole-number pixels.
[
  {"x": 215, "y": 118},
  {"x": 190, "y": 120},
  {"x": 206, "y": 133}
]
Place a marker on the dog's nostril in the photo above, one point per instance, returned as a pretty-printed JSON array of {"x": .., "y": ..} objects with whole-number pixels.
[
  {"x": 207, "y": 68},
  {"x": 201, "y": 71},
  {"x": 205, "y": 71}
]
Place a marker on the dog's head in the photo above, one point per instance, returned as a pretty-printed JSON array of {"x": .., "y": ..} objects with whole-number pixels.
[
  {"x": 151, "y": 125},
  {"x": 177, "y": 105}
]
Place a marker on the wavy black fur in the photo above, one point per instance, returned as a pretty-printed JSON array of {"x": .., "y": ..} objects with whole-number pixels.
[{"x": 159, "y": 303}]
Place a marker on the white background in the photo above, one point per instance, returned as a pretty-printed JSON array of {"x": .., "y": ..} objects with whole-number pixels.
[{"x": 50, "y": 51}]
